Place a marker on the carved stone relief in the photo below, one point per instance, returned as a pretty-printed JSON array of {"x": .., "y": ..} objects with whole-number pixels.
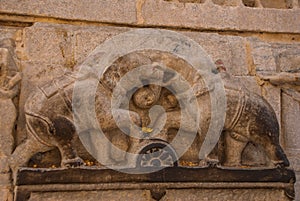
[
  {"x": 250, "y": 120},
  {"x": 169, "y": 96},
  {"x": 9, "y": 90}
]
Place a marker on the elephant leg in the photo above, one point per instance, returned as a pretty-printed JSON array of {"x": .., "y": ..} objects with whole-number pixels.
[
  {"x": 64, "y": 135},
  {"x": 24, "y": 152},
  {"x": 234, "y": 146},
  {"x": 276, "y": 154}
]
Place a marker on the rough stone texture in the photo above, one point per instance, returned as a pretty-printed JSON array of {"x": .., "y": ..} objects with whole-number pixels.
[
  {"x": 289, "y": 59},
  {"x": 161, "y": 13},
  {"x": 119, "y": 11},
  {"x": 130, "y": 195},
  {"x": 273, "y": 95},
  {"x": 231, "y": 50},
  {"x": 95, "y": 36},
  {"x": 9, "y": 90},
  {"x": 198, "y": 16},
  {"x": 263, "y": 56},
  {"x": 7, "y": 32},
  {"x": 243, "y": 42},
  {"x": 220, "y": 195},
  {"x": 297, "y": 186},
  {"x": 5, "y": 194},
  {"x": 262, "y": 126},
  {"x": 34, "y": 74},
  {"x": 291, "y": 113},
  {"x": 5, "y": 179}
]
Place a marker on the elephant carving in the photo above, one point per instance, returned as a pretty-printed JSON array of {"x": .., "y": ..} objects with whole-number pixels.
[
  {"x": 50, "y": 118},
  {"x": 50, "y": 121}
]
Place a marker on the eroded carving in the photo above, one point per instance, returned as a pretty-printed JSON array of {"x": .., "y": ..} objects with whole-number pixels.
[
  {"x": 249, "y": 118},
  {"x": 49, "y": 121},
  {"x": 9, "y": 89}
]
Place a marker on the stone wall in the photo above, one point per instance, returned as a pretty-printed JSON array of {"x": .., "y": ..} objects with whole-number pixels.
[{"x": 253, "y": 38}]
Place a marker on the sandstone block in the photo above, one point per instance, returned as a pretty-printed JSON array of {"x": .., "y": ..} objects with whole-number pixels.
[
  {"x": 47, "y": 44},
  {"x": 223, "y": 194},
  {"x": 118, "y": 11},
  {"x": 126, "y": 195},
  {"x": 263, "y": 56},
  {"x": 289, "y": 60},
  {"x": 230, "y": 49},
  {"x": 290, "y": 120},
  {"x": 215, "y": 17},
  {"x": 7, "y": 32},
  {"x": 87, "y": 39}
]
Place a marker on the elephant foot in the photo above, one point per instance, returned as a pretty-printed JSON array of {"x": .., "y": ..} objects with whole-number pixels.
[
  {"x": 209, "y": 162},
  {"x": 280, "y": 164},
  {"x": 232, "y": 164},
  {"x": 74, "y": 162}
]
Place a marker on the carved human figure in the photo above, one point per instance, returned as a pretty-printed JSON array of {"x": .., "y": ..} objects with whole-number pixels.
[{"x": 9, "y": 89}]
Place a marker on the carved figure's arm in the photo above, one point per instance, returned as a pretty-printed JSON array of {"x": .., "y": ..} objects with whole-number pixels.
[
  {"x": 14, "y": 80},
  {"x": 8, "y": 93}
]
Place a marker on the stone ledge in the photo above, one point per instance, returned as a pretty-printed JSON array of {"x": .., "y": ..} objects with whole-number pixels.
[
  {"x": 156, "y": 191},
  {"x": 112, "y": 11},
  {"x": 33, "y": 176},
  {"x": 214, "y": 17},
  {"x": 233, "y": 183},
  {"x": 148, "y": 13}
]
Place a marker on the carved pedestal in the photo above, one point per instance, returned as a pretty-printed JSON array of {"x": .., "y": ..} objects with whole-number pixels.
[{"x": 174, "y": 183}]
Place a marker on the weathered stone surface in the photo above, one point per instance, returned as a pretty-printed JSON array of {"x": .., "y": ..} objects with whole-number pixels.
[
  {"x": 50, "y": 45},
  {"x": 293, "y": 155},
  {"x": 118, "y": 11},
  {"x": 249, "y": 118},
  {"x": 273, "y": 96},
  {"x": 34, "y": 74},
  {"x": 5, "y": 179},
  {"x": 290, "y": 125},
  {"x": 289, "y": 60},
  {"x": 7, "y": 32},
  {"x": 220, "y": 195},
  {"x": 88, "y": 38},
  {"x": 297, "y": 186},
  {"x": 210, "y": 16},
  {"x": 127, "y": 195},
  {"x": 48, "y": 50},
  {"x": 70, "y": 45},
  {"x": 250, "y": 83},
  {"x": 215, "y": 182},
  {"x": 5, "y": 194},
  {"x": 10, "y": 78},
  {"x": 230, "y": 49},
  {"x": 263, "y": 56},
  {"x": 269, "y": 92}
]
